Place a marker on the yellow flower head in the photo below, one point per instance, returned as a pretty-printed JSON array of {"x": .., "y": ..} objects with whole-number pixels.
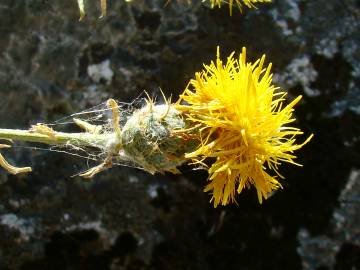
[
  {"x": 243, "y": 124},
  {"x": 239, "y": 3}
]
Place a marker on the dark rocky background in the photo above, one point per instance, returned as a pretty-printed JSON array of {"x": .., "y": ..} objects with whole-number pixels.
[{"x": 128, "y": 219}]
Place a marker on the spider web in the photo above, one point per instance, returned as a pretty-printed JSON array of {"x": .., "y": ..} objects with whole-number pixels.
[{"x": 100, "y": 116}]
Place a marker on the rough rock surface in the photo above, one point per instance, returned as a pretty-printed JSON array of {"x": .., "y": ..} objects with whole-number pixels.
[{"x": 51, "y": 65}]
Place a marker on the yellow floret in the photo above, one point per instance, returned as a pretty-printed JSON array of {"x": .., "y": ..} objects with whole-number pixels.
[{"x": 238, "y": 3}]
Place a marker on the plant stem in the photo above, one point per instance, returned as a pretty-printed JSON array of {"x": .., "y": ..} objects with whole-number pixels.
[{"x": 58, "y": 138}]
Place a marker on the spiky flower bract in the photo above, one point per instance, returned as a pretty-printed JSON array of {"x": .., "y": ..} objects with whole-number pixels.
[
  {"x": 238, "y": 3},
  {"x": 243, "y": 125}
]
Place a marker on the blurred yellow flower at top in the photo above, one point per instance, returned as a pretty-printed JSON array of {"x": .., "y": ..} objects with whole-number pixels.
[
  {"x": 243, "y": 125},
  {"x": 213, "y": 3},
  {"x": 238, "y": 3}
]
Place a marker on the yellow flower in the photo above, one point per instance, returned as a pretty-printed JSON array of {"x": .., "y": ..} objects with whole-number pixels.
[
  {"x": 243, "y": 125},
  {"x": 239, "y": 3}
]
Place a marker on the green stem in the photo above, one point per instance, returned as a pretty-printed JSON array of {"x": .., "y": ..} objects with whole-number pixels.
[{"x": 58, "y": 138}]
